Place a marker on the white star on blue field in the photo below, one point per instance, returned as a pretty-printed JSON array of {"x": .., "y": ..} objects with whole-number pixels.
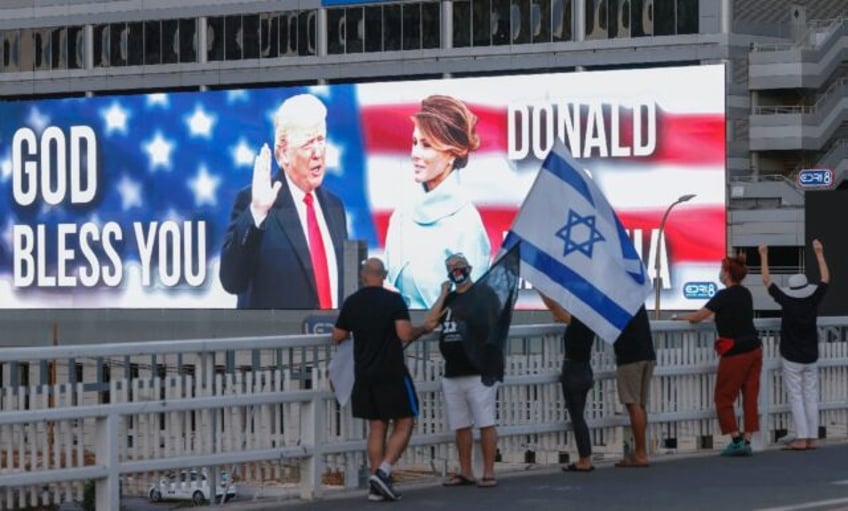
[{"x": 579, "y": 234}]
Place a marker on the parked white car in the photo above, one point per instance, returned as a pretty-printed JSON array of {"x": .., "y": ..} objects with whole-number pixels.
[{"x": 193, "y": 486}]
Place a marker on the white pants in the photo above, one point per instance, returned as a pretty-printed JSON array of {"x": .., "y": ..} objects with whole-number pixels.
[{"x": 802, "y": 385}]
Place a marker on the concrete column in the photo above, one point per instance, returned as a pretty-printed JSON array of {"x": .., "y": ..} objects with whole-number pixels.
[
  {"x": 578, "y": 11},
  {"x": 88, "y": 51},
  {"x": 202, "y": 41},
  {"x": 726, "y": 16},
  {"x": 321, "y": 33},
  {"x": 446, "y": 25}
]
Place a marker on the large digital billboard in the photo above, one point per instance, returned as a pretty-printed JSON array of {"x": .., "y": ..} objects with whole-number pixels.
[{"x": 243, "y": 198}]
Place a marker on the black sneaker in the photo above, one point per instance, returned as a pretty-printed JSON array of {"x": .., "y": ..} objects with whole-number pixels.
[
  {"x": 374, "y": 495},
  {"x": 383, "y": 484}
]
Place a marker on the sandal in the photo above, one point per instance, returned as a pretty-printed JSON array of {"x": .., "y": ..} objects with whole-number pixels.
[
  {"x": 459, "y": 480},
  {"x": 572, "y": 467},
  {"x": 487, "y": 482}
]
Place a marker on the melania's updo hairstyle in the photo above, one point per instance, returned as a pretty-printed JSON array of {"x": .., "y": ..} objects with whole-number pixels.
[{"x": 450, "y": 125}]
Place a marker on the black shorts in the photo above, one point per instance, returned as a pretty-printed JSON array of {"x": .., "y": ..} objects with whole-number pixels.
[{"x": 384, "y": 400}]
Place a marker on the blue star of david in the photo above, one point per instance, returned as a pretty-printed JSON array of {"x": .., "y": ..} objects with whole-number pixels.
[{"x": 566, "y": 233}]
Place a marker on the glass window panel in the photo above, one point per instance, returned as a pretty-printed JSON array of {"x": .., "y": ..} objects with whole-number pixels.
[
  {"x": 6, "y": 57},
  {"x": 215, "y": 38},
  {"x": 561, "y": 21},
  {"x": 355, "y": 29},
  {"x": 431, "y": 36},
  {"x": 76, "y": 47},
  {"x": 118, "y": 44},
  {"x": 59, "y": 48},
  {"x": 101, "y": 46},
  {"x": 152, "y": 42},
  {"x": 391, "y": 27},
  {"x": 269, "y": 35},
  {"x": 170, "y": 41},
  {"x": 41, "y": 48},
  {"x": 687, "y": 16},
  {"x": 520, "y": 24},
  {"x": 664, "y": 18},
  {"x": 250, "y": 36},
  {"x": 135, "y": 43},
  {"x": 373, "y": 28},
  {"x": 306, "y": 29},
  {"x": 624, "y": 17},
  {"x": 412, "y": 26},
  {"x": 500, "y": 22},
  {"x": 540, "y": 20},
  {"x": 232, "y": 37},
  {"x": 597, "y": 19},
  {"x": 641, "y": 18},
  {"x": 461, "y": 23},
  {"x": 188, "y": 40},
  {"x": 612, "y": 18},
  {"x": 11, "y": 50},
  {"x": 288, "y": 34},
  {"x": 335, "y": 31},
  {"x": 481, "y": 22}
]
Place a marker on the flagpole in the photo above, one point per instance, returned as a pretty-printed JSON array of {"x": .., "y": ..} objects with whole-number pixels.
[{"x": 657, "y": 259}]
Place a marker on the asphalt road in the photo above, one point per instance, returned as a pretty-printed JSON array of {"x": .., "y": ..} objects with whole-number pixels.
[{"x": 773, "y": 480}]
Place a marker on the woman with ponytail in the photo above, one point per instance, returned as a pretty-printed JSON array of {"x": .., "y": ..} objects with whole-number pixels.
[{"x": 741, "y": 354}]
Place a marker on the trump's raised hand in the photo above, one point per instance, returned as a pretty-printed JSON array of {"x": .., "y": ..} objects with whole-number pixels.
[{"x": 262, "y": 191}]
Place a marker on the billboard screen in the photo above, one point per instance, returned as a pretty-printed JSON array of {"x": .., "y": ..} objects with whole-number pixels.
[{"x": 169, "y": 200}]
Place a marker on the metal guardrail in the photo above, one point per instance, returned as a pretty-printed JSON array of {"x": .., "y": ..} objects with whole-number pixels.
[
  {"x": 831, "y": 91},
  {"x": 251, "y": 411},
  {"x": 816, "y": 35},
  {"x": 838, "y": 151}
]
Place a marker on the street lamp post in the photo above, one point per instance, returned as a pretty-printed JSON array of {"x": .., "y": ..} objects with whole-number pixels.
[{"x": 657, "y": 263}]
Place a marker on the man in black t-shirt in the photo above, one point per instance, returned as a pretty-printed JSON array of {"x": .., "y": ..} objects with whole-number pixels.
[
  {"x": 473, "y": 366},
  {"x": 635, "y": 359},
  {"x": 383, "y": 390},
  {"x": 799, "y": 344}
]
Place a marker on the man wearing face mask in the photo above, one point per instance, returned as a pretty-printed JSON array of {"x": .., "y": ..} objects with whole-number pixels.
[{"x": 473, "y": 366}]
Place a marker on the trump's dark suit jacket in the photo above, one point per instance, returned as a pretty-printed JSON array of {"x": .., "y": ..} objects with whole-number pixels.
[{"x": 269, "y": 267}]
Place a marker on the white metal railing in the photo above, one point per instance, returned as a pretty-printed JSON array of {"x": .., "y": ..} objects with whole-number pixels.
[
  {"x": 838, "y": 151},
  {"x": 120, "y": 414},
  {"x": 817, "y": 33},
  {"x": 835, "y": 90}
]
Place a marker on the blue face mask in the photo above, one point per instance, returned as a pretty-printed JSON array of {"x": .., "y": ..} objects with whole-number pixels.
[{"x": 459, "y": 275}]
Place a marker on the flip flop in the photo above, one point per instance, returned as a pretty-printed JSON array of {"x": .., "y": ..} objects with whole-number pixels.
[
  {"x": 629, "y": 463},
  {"x": 571, "y": 467},
  {"x": 790, "y": 448},
  {"x": 459, "y": 480},
  {"x": 487, "y": 482}
]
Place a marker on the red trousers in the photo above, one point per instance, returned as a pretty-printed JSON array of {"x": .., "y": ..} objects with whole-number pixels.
[{"x": 735, "y": 373}]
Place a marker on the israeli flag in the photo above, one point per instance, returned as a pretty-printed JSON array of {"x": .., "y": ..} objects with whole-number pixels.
[{"x": 575, "y": 250}]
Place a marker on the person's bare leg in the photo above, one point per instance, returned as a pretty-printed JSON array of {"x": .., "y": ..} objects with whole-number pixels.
[
  {"x": 376, "y": 443},
  {"x": 464, "y": 441},
  {"x": 398, "y": 440},
  {"x": 639, "y": 424},
  {"x": 489, "y": 445}
]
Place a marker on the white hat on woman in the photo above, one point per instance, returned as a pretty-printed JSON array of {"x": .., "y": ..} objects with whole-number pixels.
[{"x": 799, "y": 287}]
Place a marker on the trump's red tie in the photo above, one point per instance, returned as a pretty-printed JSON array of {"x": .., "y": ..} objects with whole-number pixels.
[{"x": 318, "y": 255}]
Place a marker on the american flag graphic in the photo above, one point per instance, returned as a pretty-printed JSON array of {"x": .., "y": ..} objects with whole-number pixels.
[{"x": 184, "y": 156}]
